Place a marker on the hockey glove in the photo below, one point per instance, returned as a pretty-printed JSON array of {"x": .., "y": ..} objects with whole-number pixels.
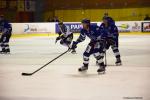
[
  {"x": 74, "y": 45},
  {"x": 58, "y": 38},
  {"x": 111, "y": 41}
]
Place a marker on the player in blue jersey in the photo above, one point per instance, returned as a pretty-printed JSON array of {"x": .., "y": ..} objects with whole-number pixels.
[
  {"x": 95, "y": 45},
  {"x": 112, "y": 37},
  {"x": 5, "y": 30}
]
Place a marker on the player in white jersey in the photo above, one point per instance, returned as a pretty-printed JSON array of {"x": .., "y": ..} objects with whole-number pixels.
[{"x": 65, "y": 35}]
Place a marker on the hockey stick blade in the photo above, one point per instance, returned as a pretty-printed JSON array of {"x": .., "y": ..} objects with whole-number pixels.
[{"x": 26, "y": 74}]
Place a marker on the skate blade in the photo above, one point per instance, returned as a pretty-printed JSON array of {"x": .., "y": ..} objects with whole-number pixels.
[
  {"x": 73, "y": 52},
  {"x": 101, "y": 73},
  {"x": 2, "y": 52},
  {"x": 82, "y": 72},
  {"x": 120, "y": 64},
  {"x": 5, "y": 53}
]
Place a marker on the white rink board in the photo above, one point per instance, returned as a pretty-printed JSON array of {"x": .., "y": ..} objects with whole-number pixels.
[
  {"x": 25, "y": 28},
  {"x": 128, "y": 26}
]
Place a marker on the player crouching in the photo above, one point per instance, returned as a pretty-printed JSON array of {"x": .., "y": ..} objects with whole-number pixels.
[
  {"x": 93, "y": 32},
  {"x": 65, "y": 36}
]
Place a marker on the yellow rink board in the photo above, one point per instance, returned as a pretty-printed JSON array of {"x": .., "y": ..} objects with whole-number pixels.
[{"x": 76, "y": 34}]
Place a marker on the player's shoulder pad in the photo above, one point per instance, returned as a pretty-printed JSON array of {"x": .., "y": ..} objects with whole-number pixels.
[
  {"x": 110, "y": 18},
  {"x": 82, "y": 31},
  {"x": 102, "y": 25}
]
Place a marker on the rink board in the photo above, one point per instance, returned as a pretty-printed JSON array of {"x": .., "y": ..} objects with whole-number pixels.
[{"x": 75, "y": 27}]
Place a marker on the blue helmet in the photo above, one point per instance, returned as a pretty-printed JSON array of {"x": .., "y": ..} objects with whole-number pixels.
[
  {"x": 105, "y": 18},
  {"x": 109, "y": 20},
  {"x": 86, "y": 21}
]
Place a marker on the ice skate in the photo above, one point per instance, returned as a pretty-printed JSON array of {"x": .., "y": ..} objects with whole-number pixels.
[
  {"x": 73, "y": 51},
  {"x": 3, "y": 51},
  {"x": 7, "y": 51},
  {"x": 118, "y": 62},
  {"x": 101, "y": 69},
  {"x": 83, "y": 68}
]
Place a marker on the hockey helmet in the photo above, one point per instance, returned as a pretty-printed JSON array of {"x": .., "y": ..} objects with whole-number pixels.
[
  {"x": 86, "y": 21},
  {"x": 60, "y": 23}
]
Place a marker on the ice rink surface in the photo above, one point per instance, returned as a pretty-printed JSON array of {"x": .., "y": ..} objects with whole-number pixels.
[{"x": 61, "y": 81}]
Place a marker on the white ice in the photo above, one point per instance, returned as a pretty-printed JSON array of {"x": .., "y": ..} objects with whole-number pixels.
[{"x": 60, "y": 80}]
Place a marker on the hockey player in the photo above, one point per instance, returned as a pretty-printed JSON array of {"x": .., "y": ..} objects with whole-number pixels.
[
  {"x": 112, "y": 37},
  {"x": 65, "y": 36},
  {"x": 110, "y": 19},
  {"x": 93, "y": 32},
  {"x": 6, "y": 30}
]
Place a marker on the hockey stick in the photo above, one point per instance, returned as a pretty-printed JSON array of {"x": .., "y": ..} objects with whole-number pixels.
[
  {"x": 105, "y": 59},
  {"x": 29, "y": 74},
  {"x": 105, "y": 53}
]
